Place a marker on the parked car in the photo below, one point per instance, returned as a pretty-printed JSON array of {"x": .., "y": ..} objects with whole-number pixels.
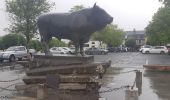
[
  {"x": 58, "y": 50},
  {"x": 13, "y": 53},
  {"x": 95, "y": 51},
  {"x": 157, "y": 49},
  {"x": 111, "y": 49},
  {"x": 117, "y": 49},
  {"x": 145, "y": 48},
  {"x": 72, "y": 50},
  {"x": 68, "y": 50}
]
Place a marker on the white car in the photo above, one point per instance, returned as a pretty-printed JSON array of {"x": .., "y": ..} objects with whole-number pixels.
[
  {"x": 157, "y": 49},
  {"x": 58, "y": 50},
  {"x": 68, "y": 50},
  {"x": 145, "y": 48},
  {"x": 13, "y": 53},
  {"x": 72, "y": 50}
]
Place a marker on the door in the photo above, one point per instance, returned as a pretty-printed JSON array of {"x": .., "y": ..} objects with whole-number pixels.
[{"x": 20, "y": 52}]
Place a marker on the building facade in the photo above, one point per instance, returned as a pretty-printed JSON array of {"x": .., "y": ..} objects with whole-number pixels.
[{"x": 138, "y": 36}]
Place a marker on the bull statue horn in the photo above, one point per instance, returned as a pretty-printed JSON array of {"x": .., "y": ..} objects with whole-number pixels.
[{"x": 94, "y": 5}]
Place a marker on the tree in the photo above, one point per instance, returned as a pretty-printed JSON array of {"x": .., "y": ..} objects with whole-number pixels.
[
  {"x": 110, "y": 35},
  {"x": 23, "y": 14},
  {"x": 1, "y": 44},
  {"x": 13, "y": 40},
  {"x": 158, "y": 31},
  {"x": 165, "y": 2},
  {"x": 130, "y": 43},
  {"x": 76, "y": 8},
  {"x": 56, "y": 43},
  {"x": 35, "y": 44}
]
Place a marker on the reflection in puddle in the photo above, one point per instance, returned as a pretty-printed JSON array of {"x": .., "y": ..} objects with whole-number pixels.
[
  {"x": 9, "y": 77},
  {"x": 160, "y": 83},
  {"x": 155, "y": 85}
]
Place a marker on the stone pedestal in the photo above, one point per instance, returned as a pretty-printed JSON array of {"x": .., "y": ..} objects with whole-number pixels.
[
  {"x": 76, "y": 77},
  {"x": 49, "y": 60}
]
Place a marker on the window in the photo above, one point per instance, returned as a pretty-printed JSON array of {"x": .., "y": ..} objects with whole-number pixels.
[
  {"x": 21, "y": 48},
  {"x": 158, "y": 47},
  {"x": 86, "y": 45},
  {"x": 147, "y": 46},
  {"x": 53, "y": 48},
  {"x": 93, "y": 43}
]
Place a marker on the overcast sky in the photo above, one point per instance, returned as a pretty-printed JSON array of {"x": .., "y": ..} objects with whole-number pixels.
[{"x": 128, "y": 14}]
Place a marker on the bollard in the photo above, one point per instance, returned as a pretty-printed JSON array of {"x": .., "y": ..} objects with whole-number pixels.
[
  {"x": 139, "y": 81},
  {"x": 131, "y": 94},
  {"x": 100, "y": 70},
  {"x": 41, "y": 92}
]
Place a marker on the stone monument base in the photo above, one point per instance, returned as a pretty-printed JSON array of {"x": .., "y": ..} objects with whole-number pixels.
[{"x": 71, "y": 77}]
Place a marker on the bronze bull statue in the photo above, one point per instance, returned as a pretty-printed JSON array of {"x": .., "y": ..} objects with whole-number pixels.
[{"x": 77, "y": 26}]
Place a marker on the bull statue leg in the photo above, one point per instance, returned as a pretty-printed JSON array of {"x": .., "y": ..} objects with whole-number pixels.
[
  {"x": 81, "y": 48},
  {"x": 46, "y": 46},
  {"x": 77, "y": 48}
]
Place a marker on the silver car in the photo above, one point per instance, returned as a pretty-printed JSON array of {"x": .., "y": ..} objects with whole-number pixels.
[
  {"x": 58, "y": 50},
  {"x": 13, "y": 53},
  {"x": 158, "y": 49}
]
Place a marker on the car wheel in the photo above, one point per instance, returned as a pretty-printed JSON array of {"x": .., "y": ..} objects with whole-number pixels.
[
  {"x": 19, "y": 59},
  {"x": 147, "y": 52},
  {"x": 70, "y": 52},
  {"x": 162, "y": 52},
  {"x": 12, "y": 58}
]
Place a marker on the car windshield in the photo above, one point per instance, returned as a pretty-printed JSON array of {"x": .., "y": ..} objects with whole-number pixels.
[
  {"x": 11, "y": 49},
  {"x": 65, "y": 48},
  {"x": 147, "y": 46}
]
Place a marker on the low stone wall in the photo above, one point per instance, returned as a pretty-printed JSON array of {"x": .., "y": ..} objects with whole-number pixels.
[{"x": 49, "y": 60}]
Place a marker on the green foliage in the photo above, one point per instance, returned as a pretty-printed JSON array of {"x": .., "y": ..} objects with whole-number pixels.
[
  {"x": 56, "y": 43},
  {"x": 35, "y": 44},
  {"x": 110, "y": 35},
  {"x": 130, "y": 43},
  {"x": 23, "y": 14},
  {"x": 165, "y": 2},
  {"x": 13, "y": 40},
  {"x": 158, "y": 31},
  {"x": 76, "y": 8},
  {"x": 1, "y": 44}
]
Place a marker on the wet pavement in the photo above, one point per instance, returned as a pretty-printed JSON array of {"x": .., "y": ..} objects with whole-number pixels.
[
  {"x": 155, "y": 85},
  {"x": 9, "y": 77}
]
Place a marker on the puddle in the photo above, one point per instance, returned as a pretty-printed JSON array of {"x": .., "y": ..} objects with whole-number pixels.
[{"x": 155, "y": 85}]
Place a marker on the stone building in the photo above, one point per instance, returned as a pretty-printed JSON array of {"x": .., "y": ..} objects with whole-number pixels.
[{"x": 138, "y": 36}]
